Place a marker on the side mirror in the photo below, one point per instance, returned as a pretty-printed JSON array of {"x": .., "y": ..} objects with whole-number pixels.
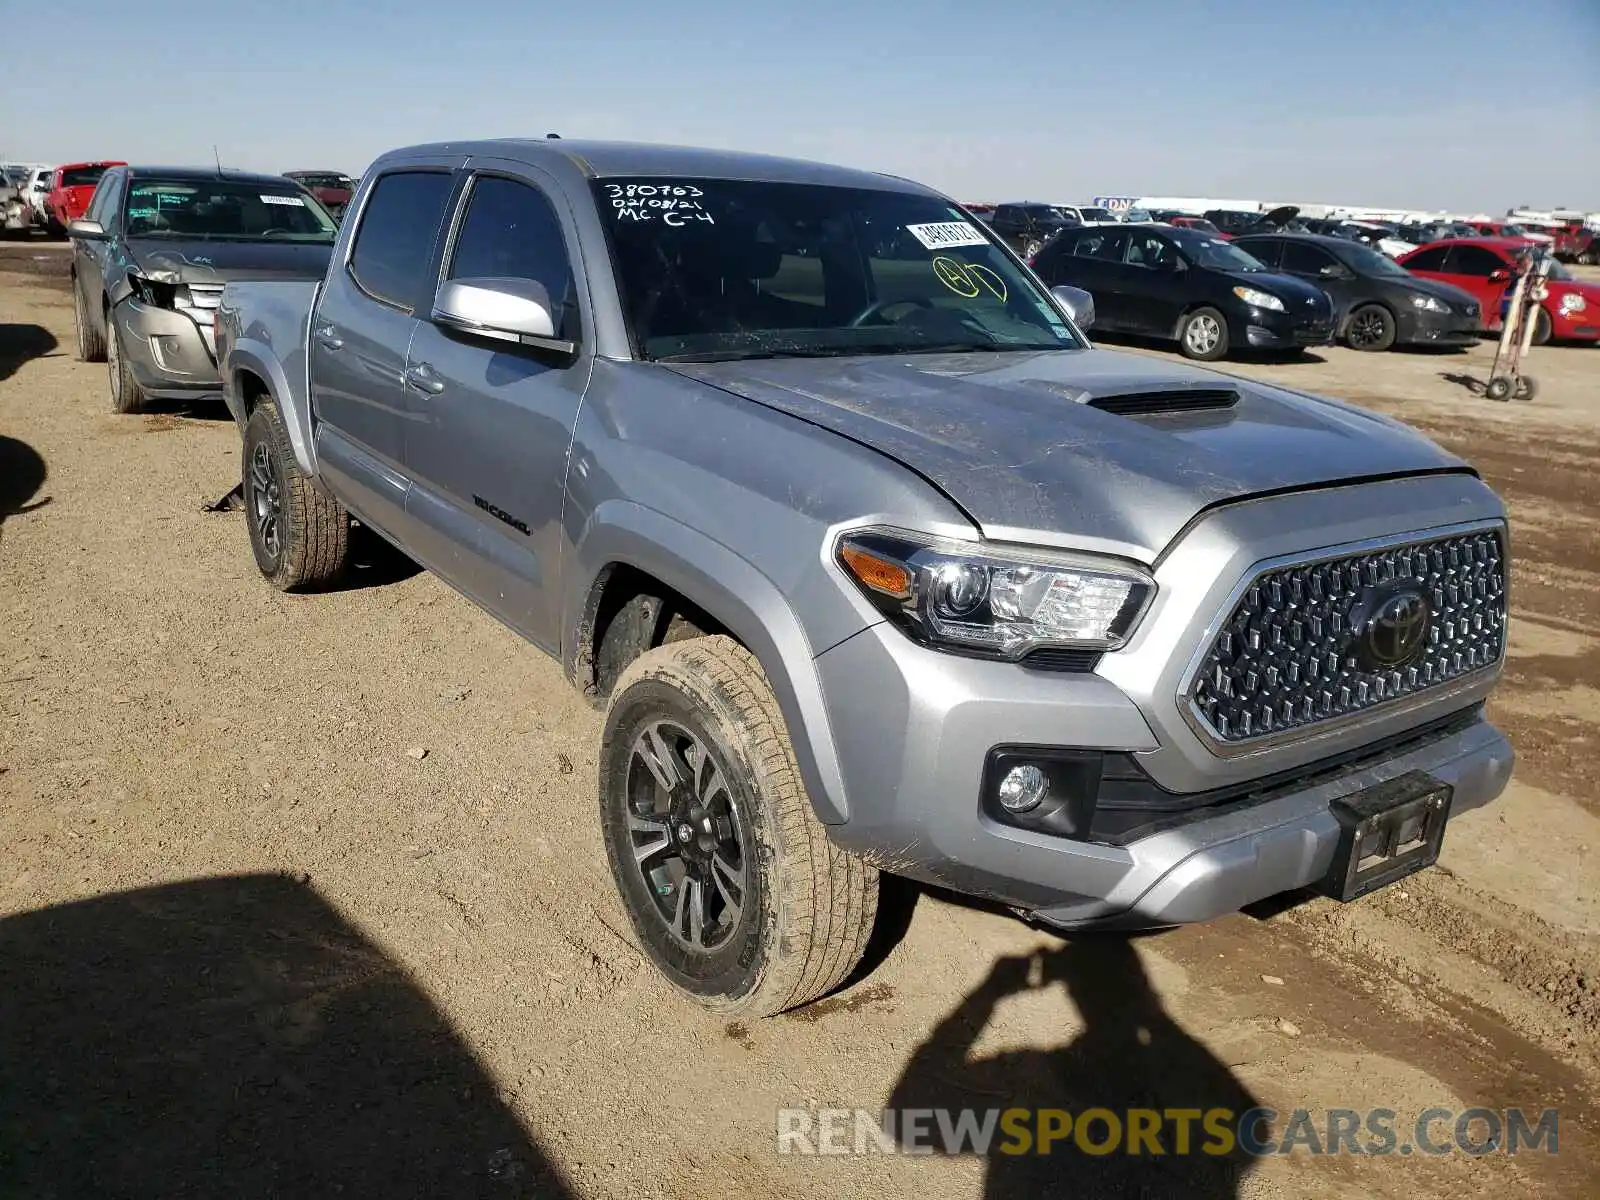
[
  {"x": 89, "y": 231},
  {"x": 1078, "y": 304},
  {"x": 504, "y": 309},
  {"x": 1500, "y": 276}
]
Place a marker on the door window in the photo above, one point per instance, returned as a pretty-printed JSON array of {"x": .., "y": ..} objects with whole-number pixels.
[
  {"x": 1302, "y": 259},
  {"x": 511, "y": 231},
  {"x": 1266, "y": 251},
  {"x": 107, "y": 196},
  {"x": 394, "y": 245},
  {"x": 1104, "y": 244},
  {"x": 1151, "y": 251},
  {"x": 1427, "y": 260},
  {"x": 1473, "y": 260}
]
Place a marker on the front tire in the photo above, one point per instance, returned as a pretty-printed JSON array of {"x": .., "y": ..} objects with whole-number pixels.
[
  {"x": 728, "y": 878},
  {"x": 300, "y": 535},
  {"x": 91, "y": 342},
  {"x": 126, "y": 394},
  {"x": 1371, "y": 328},
  {"x": 1204, "y": 335}
]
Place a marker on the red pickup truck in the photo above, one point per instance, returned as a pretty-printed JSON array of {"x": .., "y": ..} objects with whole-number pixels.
[{"x": 70, "y": 189}]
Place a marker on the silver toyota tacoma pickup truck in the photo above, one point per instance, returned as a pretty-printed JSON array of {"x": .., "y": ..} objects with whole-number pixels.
[{"x": 874, "y": 562}]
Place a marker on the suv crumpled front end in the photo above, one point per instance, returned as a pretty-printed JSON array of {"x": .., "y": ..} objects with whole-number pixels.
[{"x": 1327, "y": 614}]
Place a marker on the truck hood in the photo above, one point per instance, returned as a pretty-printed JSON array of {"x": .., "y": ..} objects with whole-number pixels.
[
  {"x": 1015, "y": 440},
  {"x": 168, "y": 260}
]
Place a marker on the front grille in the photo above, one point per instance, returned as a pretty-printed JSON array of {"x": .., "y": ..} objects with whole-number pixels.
[{"x": 1291, "y": 654}]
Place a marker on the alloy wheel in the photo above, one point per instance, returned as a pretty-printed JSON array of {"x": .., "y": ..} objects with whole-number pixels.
[
  {"x": 114, "y": 363},
  {"x": 689, "y": 841},
  {"x": 1367, "y": 329},
  {"x": 265, "y": 502}
]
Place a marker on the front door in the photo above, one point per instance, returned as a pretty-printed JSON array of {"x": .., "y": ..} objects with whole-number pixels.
[
  {"x": 360, "y": 332},
  {"x": 1481, "y": 272},
  {"x": 1310, "y": 262},
  {"x": 1153, "y": 284},
  {"x": 487, "y": 448}
]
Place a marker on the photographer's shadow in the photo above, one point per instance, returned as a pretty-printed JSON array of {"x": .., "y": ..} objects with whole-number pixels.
[
  {"x": 237, "y": 1037},
  {"x": 1129, "y": 1055}
]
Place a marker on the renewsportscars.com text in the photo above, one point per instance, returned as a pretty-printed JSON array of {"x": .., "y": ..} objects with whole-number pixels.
[{"x": 1217, "y": 1132}]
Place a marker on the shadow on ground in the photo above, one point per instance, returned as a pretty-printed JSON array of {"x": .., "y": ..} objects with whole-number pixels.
[
  {"x": 22, "y": 473},
  {"x": 1461, "y": 379},
  {"x": 236, "y": 1037},
  {"x": 23, "y": 343},
  {"x": 1129, "y": 1055}
]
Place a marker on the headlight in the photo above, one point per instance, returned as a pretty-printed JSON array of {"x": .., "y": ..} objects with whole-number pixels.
[
  {"x": 1573, "y": 303},
  {"x": 1257, "y": 299},
  {"x": 1429, "y": 304},
  {"x": 160, "y": 295},
  {"x": 999, "y": 603}
]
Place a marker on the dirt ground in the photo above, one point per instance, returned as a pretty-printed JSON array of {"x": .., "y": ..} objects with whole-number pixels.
[{"x": 253, "y": 941}]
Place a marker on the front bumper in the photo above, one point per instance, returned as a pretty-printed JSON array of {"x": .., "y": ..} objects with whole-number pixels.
[
  {"x": 1268, "y": 330},
  {"x": 170, "y": 353},
  {"x": 914, "y": 728},
  {"x": 1425, "y": 328},
  {"x": 926, "y": 821}
]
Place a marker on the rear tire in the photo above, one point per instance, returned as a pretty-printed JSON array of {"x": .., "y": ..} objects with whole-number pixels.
[
  {"x": 126, "y": 394},
  {"x": 1203, "y": 335},
  {"x": 300, "y": 535},
  {"x": 91, "y": 342},
  {"x": 1371, "y": 328},
  {"x": 731, "y": 883}
]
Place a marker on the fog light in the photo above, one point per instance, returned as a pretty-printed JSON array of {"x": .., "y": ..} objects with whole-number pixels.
[{"x": 1023, "y": 788}]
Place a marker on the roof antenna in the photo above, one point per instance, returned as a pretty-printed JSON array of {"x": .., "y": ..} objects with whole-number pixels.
[
  {"x": 218, "y": 159},
  {"x": 555, "y": 136}
]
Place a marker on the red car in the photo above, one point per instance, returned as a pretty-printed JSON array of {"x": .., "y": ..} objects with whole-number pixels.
[
  {"x": 331, "y": 187},
  {"x": 1487, "y": 267},
  {"x": 70, "y": 189},
  {"x": 1504, "y": 229},
  {"x": 1199, "y": 223}
]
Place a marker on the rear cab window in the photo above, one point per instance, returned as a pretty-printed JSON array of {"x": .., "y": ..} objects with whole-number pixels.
[{"x": 391, "y": 258}]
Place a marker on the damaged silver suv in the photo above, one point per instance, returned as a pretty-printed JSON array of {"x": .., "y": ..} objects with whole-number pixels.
[
  {"x": 150, "y": 257},
  {"x": 874, "y": 562}
]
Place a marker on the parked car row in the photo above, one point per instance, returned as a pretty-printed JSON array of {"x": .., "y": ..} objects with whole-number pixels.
[
  {"x": 51, "y": 198},
  {"x": 1274, "y": 289}
]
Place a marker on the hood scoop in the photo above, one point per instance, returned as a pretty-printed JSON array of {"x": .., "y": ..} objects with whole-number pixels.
[{"x": 1172, "y": 400}]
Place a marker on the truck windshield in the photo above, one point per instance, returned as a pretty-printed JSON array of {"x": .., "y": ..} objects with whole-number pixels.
[
  {"x": 224, "y": 210},
  {"x": 715, "y": 269}
]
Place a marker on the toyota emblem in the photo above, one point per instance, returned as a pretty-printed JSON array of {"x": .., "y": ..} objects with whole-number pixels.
[{"x": 1390, "y": 628}]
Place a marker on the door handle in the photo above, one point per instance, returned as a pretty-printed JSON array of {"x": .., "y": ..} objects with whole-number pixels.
[
  {"x": 328, "y": 338},
  {"x": 423, "y": 377}
]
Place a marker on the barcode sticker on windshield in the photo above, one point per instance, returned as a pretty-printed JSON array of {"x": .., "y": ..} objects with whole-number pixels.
[
  {"x": 293, "y": 201},
  {"x": 941, "y": 235}
]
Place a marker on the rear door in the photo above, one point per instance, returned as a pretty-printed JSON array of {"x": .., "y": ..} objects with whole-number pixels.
[
  {"x": 361, "y": 330},
  {"x": 492, "y": 423}
]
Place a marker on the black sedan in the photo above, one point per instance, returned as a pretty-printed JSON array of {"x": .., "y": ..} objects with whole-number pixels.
[
  {"x": 1377, "y": 302},
  {"x": 1192, "y": 287}
]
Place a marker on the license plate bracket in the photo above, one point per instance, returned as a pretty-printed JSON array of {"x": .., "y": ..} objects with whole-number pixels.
[{"x": 1387, "y": 832}]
